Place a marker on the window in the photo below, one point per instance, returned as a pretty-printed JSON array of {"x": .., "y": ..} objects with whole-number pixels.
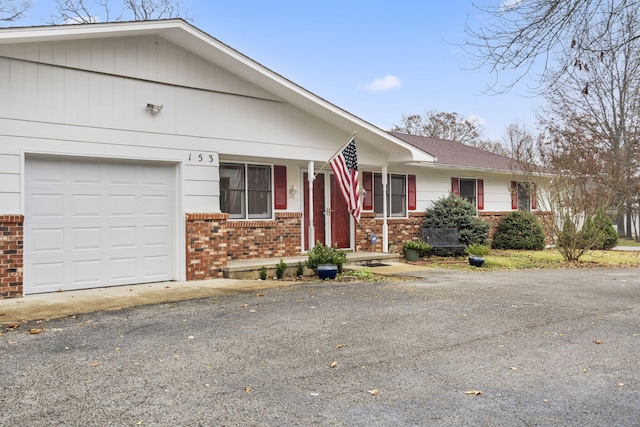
[
  {"x": 468, "y": 190},
  {"x": 396, "y": 195},
  {"x": 245, "y": 190},
  {"x": 523, "y": 196},
  {"x": 471, "y": 190}
]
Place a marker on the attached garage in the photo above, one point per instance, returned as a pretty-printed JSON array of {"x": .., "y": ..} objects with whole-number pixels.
[{"x": 94, "y": 223}]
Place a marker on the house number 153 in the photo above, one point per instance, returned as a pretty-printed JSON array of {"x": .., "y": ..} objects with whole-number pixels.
[{"x": 201, "y": 158}]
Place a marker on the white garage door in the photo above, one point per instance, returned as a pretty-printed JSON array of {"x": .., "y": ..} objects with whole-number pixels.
[{"x": 93, "y": 224}]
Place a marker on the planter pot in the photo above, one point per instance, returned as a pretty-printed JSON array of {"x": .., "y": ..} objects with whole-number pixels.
[
  {"x": 327, "y": 271},
  {"x": 411, "y": 255},
  {"x": 476, "y": 261}
]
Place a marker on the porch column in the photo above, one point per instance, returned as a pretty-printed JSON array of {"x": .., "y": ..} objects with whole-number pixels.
[
  {"x": 385, "y": 226},
  {"x": 310, "y": 178}
]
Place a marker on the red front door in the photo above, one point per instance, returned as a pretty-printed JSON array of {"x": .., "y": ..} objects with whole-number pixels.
[
  {"x": 340, "y": 223},
  {"x": 329, "y": 212}
]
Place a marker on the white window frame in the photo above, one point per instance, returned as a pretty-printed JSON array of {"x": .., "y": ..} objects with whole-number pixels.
[
  {"x": 390, "y": 195},
  {"x": 475, "y": 190},
  {"x": 245, "y": 215}
]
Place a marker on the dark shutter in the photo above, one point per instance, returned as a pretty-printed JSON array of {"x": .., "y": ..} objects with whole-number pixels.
[
  {"x": 514, "y": 195},
  {"x": 480, "y": 185},
  {"x": 532, "y": 188},
  {"x": 280, "y": 186},
  {"x": 411, "y": 192},
  {"x": 367, "y": 184},
  {"x": 455, "y": 186}
]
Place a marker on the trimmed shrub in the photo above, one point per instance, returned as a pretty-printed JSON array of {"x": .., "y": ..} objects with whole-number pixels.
[
  {"x": 300, "y": 269},
  {"x": 321, "y": 254},
  {"x": 518, "y": 230},
  {"x": 281, "y": 269},
  {"x": 455, "y": 212},
  {"x": 598, "y": 232}
]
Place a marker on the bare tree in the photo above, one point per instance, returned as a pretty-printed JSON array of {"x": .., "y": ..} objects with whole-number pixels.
[
  {"x": 441, "y": 125},
  {"x": 12, "y": 10},
  {"x": 516, "y": 34},
  {"x": 576, "y": 186},
  {"x": 91, "y": 11},
  {"x": 603, "y": 91}
]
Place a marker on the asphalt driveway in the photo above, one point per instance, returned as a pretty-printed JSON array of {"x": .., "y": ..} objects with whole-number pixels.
[{"x": 543, "y": 348}]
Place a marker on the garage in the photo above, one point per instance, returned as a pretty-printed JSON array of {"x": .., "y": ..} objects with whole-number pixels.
[{"x": 91, "y": 223}]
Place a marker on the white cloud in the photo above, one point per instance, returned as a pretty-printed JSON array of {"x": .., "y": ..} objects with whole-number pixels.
[
  {"x": 383, "y": 84},
  {"x": 476, "y": 119}
]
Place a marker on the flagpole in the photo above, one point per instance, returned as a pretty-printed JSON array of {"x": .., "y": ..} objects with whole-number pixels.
[{"x": 334, "y": 154}]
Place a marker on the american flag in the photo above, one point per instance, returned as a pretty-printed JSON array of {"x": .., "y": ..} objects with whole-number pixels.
[{"x": 345, "y": 167}]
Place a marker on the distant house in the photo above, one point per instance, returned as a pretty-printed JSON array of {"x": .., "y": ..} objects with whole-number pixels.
[{"x": 149, "y": 151}]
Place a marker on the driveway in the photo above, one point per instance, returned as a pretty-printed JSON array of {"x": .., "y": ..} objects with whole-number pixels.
[{"x": 536, "y": 347}]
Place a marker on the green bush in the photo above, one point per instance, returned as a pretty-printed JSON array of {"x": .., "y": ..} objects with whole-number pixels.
[
  {"x": 455, "y": 212},
  {"x": 263, "y": 273},
  {"x": 519, "y": 230},
  {"x": 321, "y": 254},
  {"x": 418, "y": 245},
  {"x": 598, "y": 232},
  {"x": 281, "y": 268},
  {"x": 300, "y": 269},
  {"x": 477, "y": 250}
]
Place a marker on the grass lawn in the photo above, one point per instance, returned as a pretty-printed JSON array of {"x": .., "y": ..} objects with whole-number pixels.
[{"x": 548, "y": 258}]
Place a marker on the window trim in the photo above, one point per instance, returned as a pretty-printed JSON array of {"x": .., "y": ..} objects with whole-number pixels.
[
  {"x": 405, "y": 213},
  {"x": 245, "y": 190}
]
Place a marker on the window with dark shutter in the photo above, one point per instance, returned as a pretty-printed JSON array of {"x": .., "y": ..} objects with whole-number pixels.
[
  {"x": 480, "y": 185},
  {"x": 411, "y": 192},
  {"x": 367, "y": 184},
  {"x": 280, "y": 186}
]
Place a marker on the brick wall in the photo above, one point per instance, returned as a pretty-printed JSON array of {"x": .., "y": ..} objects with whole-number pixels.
[
  {"x": 11, "y": 255},
  {"x": 265, "y": 239},
  {"x": 544, "y": 218},
  {"x": 400, "y": 229},
  {"x": 206, "y": 250}
]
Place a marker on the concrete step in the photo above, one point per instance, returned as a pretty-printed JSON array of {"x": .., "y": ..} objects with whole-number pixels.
[{"x": 250, "y": 269}]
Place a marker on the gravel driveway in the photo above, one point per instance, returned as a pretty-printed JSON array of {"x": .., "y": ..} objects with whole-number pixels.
[{"x": 535, "y": 347}]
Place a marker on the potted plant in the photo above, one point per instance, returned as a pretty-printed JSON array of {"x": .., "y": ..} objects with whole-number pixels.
[
  {"x": 414, "y": 249},
  {"x": 326, "y": 261},
  {"x": 477, "y": 253}
]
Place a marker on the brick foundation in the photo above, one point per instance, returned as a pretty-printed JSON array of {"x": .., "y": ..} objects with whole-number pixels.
[
  {"x": 206, "y": 250},
  {"x": 265, "y": 239},
  {"x": 544, "y": 218},
  {"x": 400, "y": 229},
  {"x": 11, "y": 256}
]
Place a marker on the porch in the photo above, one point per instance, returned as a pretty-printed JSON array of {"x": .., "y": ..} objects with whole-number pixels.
[{"x": 249, "y": 269}]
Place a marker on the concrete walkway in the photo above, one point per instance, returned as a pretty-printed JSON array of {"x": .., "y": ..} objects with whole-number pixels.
[{"x": 61, "y": 304}]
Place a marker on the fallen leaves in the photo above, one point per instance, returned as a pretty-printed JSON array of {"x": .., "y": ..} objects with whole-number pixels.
[
  {"x": 473, "y": 392},
  {"x": 340, "y": 345},
  {"x": 12, "y": 326},
  {"x": 334, "y": 365},
  {"x": 597, "y": 342},
  {"x": 248, "y": 389},
  {"x": 35, "y": 331},
  {"x": 373, "y": 392}
]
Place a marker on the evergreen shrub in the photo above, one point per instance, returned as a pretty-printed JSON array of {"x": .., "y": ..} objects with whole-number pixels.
[
  {"x": 519, "y": 230},
  {"x": 455, "y": 212}
]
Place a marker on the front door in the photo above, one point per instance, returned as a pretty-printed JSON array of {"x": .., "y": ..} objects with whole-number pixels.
[
  {"x": 340, "y": 223},
  {"x": 330, "y": 214}
]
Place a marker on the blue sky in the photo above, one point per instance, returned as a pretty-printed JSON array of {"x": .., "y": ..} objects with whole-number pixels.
[{"x": 376, "y": 59}]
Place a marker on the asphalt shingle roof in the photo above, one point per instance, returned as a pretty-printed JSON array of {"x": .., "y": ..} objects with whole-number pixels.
[{"x": 457, "y": 154}]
